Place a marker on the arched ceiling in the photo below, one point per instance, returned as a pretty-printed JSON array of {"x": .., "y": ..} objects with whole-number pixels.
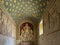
[{"x": 21, "y": 9}]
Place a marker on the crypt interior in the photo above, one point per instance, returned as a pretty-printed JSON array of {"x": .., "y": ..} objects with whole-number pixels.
[{"x": 29, "y": 22}]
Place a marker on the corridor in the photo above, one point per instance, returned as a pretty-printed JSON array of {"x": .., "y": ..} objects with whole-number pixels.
[{"x": 29, "y": 22}]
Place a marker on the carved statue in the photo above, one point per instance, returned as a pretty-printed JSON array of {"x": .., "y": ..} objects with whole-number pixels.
[{"x": 26, "y": 33}]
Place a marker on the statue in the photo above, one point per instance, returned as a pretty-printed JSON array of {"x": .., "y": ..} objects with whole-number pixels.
[{"x": 26, "y": 33}]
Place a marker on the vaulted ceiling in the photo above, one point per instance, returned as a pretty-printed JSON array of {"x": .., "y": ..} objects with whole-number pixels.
[{"x": 24, "y": 9}]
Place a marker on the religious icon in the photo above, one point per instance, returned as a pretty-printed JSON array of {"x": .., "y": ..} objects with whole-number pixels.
[{"x": 27, "y": 32}]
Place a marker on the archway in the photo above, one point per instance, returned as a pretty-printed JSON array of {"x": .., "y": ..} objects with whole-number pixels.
[{"x": 27, "y": 36}]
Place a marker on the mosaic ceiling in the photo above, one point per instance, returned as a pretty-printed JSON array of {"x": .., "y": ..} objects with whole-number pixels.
[{"x": 25, "y": 8}]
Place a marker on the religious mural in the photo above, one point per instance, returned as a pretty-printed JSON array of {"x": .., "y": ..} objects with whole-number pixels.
[{"x": 26, "y": 32}]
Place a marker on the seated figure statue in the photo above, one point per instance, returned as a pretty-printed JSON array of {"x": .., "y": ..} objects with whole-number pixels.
[{"x": 26, "y": 33}]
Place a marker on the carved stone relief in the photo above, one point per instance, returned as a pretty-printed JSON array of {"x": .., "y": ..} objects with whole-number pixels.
[{"x": 26, "y": 32}]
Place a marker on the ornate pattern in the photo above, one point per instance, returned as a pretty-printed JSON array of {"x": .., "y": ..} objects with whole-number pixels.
[
  {"x": 18, "y": 8},
  {"x": 26, "y": 32}
]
